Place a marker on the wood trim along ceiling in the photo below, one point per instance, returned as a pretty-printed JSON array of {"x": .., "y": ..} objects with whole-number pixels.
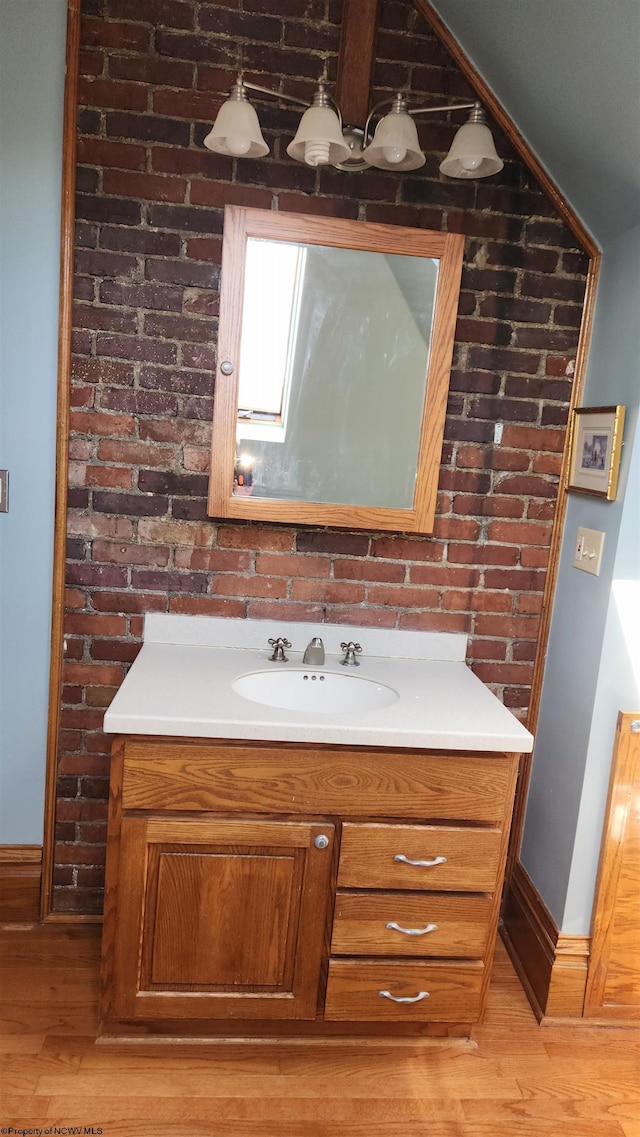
[
  {"x": 551, "y": 966},
  {"x": 354, "y": 97},
  {"x": 67, "y": 223}
]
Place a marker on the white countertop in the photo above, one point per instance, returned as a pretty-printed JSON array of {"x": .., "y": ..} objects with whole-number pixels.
[{"x": 181, "y": 685}]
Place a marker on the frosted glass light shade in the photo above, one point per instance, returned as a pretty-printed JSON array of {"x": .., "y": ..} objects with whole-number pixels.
[
  {"x": 236, "y": 131},
  {"x": 472, "y": 154},
  {"x": 319, "y": 139},
  {"x": 395, "y": 144}
]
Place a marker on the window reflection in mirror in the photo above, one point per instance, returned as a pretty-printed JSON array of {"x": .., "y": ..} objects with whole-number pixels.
[
  {"x": 333, "y": 359},
  {"x": 334, "y": 350}
]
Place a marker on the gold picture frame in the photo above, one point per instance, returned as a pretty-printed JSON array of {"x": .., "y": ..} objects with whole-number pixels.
[{"x": 595, "y": 448}]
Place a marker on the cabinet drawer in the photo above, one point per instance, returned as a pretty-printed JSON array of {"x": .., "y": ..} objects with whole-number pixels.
[
  {"x": 449, "y": 991},
  {"x": 449, "y": 857},
  {"x": 272, "y": 778},
  {"x": 427, "y": 924}
]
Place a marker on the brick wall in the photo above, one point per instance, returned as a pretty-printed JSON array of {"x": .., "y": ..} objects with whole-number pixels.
[{"x": 149, "y": 222}]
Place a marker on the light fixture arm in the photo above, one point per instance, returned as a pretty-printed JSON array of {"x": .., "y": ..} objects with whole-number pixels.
[
  {"x": 399, "y": 105},
  {"x": 445, "y": 107},
  {"x": 322, "y": 98}
]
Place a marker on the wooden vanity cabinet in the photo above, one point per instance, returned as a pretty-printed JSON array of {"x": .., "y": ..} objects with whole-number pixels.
[{"x": 278, "y": 888}]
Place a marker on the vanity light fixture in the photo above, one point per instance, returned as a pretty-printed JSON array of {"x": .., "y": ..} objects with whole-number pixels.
[{"x": 322, "y": 139}]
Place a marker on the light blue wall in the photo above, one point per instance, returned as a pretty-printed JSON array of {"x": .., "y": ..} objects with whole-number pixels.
[
  {"x": 589, "y": 676},
  {"x": 32, "y": 53},
  {"x": 568, "y": 74},
  {"x": 567, "y": 71}
]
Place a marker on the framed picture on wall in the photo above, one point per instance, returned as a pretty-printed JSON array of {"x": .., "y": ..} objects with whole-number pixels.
[{"x": 596, "y": 443}]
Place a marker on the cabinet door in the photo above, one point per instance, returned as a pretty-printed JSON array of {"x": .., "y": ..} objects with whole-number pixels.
[{"x": 220, "y": 919}]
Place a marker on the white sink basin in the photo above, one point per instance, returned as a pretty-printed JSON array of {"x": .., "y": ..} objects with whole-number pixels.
[{"x": 320, "y": 692}]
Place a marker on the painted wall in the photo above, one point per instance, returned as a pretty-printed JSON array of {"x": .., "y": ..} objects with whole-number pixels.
[
  {"x": 590, "y": 672},
  {"x": 567, "y": 75},
  {"x": 32, "y": 52}
]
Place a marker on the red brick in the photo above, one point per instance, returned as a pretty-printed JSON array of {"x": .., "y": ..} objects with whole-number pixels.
[
  {"x": 128, "y": 602},
  {"x": 111, "y": 476},
  {"x": 284, "y": 610},
  {"x": 507, "y": 626},
  {"x": 548, "y": 464},
  {"x": 107, "y": 153},
  {"x": 455, "y": 529},
  {"x": 252, "y": 537},
  {"x": 533, "y": 438},
  {"x": 472, "y": 457},
  {"x": 108, "y": 93},
  {"x": 369, "y": 570},
  {"x": 77, "y": 854},
  {"x": 114, "y": 649},
  {"x": 74, "y": 598},
  {"x": 484, "y": 555},
  {"x": 487, "y": 649},
  {"x": 406, "y": 549},
  {"x": 488, "y": 506},
  {"x": 212, "y": 560},
  {"x": 402, "y": 596},
  {"x": 510, "y": 460},
  {"x": 226, "y": 584},
  {"x": 129, "y": 554},
  {"x": 100, "y": 625},
  {"x": 152, "y": 187},
  {"x": 207, "y": 606},
  {"x": 327, "y": 591},
  {"x": 362, "y": 617},
  {"x": 435, "y": 621},
  {"x": 97, "y": 32},
  {"x": 219, "y": 194},
  {"x": 101, "y": 424},
  {"x": 503, "y": 672},
  {"x": 534, "y": 557},
  {"x": 522, "y": 532},
  {"x": 448, "y": 576},
  {"x": 292, "y": 565},
  {"x": 100, "y": 696}
]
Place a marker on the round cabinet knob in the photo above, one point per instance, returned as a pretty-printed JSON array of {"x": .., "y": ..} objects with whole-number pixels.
[
  {"x": 321, "y": 841},
  {"x": 226, "y": 367}
]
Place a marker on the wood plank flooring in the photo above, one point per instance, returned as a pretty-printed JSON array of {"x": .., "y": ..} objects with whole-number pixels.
[{"x": 512, "y": 1079}]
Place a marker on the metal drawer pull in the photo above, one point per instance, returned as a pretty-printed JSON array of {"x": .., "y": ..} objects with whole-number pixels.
[
  {"x": 393, "y": 927},
  {"x": 420, "y": 864},
  {"x": 406, "y": 999}
]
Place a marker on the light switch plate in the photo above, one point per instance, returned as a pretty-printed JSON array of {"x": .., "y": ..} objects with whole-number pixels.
[
  {"x": 4, "y": 491},
  {"x": 587, "y": 554}
]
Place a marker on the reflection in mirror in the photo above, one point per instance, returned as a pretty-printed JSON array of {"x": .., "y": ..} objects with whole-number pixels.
[
  {"x": 333, "y": 361},
  {"x": 334, "y": 349}
]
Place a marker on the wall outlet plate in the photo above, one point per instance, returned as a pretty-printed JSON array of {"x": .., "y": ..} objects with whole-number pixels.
[{"x": 587, "y": 554}]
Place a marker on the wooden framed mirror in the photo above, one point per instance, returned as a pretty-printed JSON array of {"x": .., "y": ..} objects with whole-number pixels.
[{"x": 334, "y": 354}]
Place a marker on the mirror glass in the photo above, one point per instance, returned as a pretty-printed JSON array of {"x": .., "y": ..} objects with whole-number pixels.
[
  {"x": 334, "y": 352},
  {"x": 333, "y": 362}
]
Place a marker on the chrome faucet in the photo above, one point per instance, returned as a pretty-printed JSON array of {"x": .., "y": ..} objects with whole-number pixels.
[
  {"x": 278, "y": 645},
  {"x": 314, "y": 653},
  {"x": 350, "y": 650}
]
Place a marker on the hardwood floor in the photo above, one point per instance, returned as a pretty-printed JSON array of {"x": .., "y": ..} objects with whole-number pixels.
[{"x": 512, "y": 1079}]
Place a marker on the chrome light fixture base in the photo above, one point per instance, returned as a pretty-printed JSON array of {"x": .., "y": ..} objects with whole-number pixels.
[{"x": 354, "y": 138}]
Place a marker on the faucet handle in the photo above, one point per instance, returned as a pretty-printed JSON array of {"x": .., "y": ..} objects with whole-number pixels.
[
  {"x": 278, "y": 646},
  {"x": 350, "y": 650}
]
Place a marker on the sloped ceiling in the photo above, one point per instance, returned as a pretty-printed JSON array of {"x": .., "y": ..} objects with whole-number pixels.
[{"x": 568, "y": 74}]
